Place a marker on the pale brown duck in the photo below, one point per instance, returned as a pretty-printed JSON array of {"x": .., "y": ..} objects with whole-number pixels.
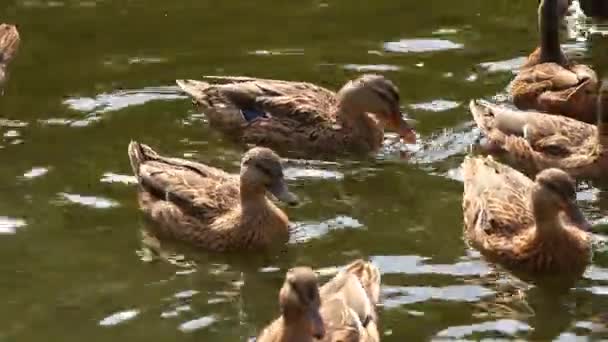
[
  {"x": 549, "y": 81},
  {"x": 210, "y": 208},
  {"x": 527, "y": 226},
  {"x": 300, "y": 118},
  {"x": 344, "y": 309}
]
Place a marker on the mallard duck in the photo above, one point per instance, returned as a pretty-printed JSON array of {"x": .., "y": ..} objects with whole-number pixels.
[
  {"x": 548, "y": 81},
  {"x": 301, "y": 118},
  {"x": 539, "y": 141},
  {"x": 208, "y": 207},
  {"x": 525, "y": 225},
  {"x": 344, "y": 309},
  {"x": 9, "y": 44}
]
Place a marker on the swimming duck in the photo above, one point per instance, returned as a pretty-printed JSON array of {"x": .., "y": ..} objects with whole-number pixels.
[
  {"x": 301, "y": 118},
  {"x": 208, "y": 207},
  {"x": 539, "y": 141},
  {"x": 9, "y": 44},
  {"x": 344, "y": 309},
  {"x": 548, "y": 81},
  {"x": 528, "y": 226}
]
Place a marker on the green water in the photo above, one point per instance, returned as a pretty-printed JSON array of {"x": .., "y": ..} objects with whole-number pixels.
[{"x": 91, "y": 75}]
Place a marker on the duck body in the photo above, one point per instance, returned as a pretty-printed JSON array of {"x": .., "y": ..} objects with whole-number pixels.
[
  {"x": 345, "y": 310},
  {"x": 537, "y": 141},
  {"x": 524, "y": 225},
  {"x": 548, "y": 81},
  {"x": 300, "y": 118},
  {"x": 206, "y": 206}
]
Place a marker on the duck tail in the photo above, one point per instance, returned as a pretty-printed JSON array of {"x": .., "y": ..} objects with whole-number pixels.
[
  {"x": 194, "y": 89},
  {"x": 369, "y": 276},
  {"x": 139, "y": 154}
]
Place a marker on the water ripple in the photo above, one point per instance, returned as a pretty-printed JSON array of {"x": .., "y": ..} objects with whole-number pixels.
[
  {"x": 306, "y": 231},
  {"x": 118, "y": 318},
  {"x": 121, "y": 99},
  {"x": 395, "y": 296},
  {"x": 90, "y": 201},
  {"x": 421, "y": 45},
  {"x": 10, "y": 225},
  {"x": 197, "y": 324},
  {"x": 414, "y": 264},
  {"x": 507, "y": 327}
]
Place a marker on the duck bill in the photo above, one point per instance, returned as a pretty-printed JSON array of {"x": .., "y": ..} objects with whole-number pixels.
[
  {"x": 577, "y": 217},
  {"x": 403, "y": 128},
  {"x": 317, "y": 327},
  {"x": 279, "y": 189}
]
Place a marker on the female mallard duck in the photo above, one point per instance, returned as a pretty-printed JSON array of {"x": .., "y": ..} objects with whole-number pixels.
[
  {"x": 9, "y": 43},
  {"x": 528, "y": 226},
  {"x": 209, "y": 207},
  {"x": 539, "y": 141},
  {"x": 344, "y": 309},
  {"x": 548, "y": 81},
  {"x": 302, "y": 118}
]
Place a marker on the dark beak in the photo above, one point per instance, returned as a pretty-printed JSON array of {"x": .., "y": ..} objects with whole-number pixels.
[
  {"x": 577, "y": 217},
  {"x": 400, "y": 125},
  {"x": 317, "y": 327},
  {"x": 279, "y": 189}
]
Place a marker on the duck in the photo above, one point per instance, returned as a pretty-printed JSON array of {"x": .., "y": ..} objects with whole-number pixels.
[
  {"x": 548, "y": 81},
  {"x": 302, "y": 119},
  {"x": 343, "y": 309},
  {"x": 537, "y": 141},
  {"x": 210, "y": 208},
  {"x": 521, "y": 224},
  {"x": 9, "y": 44}
]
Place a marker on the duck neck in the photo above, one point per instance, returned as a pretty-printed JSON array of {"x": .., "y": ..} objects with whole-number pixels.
[
  {"x": 361, "y": 125},
  {"x": 253, "y": 198},
  {"x": 296, "y": 328},
  {"x": 548, "y": 21},
  {"x": 546, "y": 215}
]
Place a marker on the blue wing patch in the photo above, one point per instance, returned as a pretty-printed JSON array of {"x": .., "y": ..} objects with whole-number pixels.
[{"x": 252, "y": 114}]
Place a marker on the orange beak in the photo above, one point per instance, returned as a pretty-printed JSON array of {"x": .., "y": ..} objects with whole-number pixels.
[{"x": 400, "y": 125}]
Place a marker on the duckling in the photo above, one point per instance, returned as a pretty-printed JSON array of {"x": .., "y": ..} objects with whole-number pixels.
[
  {"x": 548, "y": 81},
  {"x": 210, "y": 208},
  {"x": 342, "y": 310},
  {"x": 303, "y": 119},
  {"x": 524, "y": 225},
  {"x": 9, "y": 44},
  {"x": 538, "y": 141}
]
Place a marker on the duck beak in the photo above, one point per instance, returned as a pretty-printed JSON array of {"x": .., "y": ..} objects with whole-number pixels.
[
  {"x": 577, "y": 216},
  {"x": 400, "y": 125},
  {"x": 317, "y": 327},
  {"x": 279, "y": 189}
]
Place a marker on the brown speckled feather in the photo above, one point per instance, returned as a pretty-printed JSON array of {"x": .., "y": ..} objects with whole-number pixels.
[
  {"x": 299, "y": 118},
  {"x": 499, "y": 222},
  {"x": 549, "y": 141},
  {"x": 200, "y": 204}
]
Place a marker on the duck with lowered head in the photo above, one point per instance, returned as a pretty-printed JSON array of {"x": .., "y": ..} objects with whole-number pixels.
[
  {"x": 300, "y": 118},
  {"x": 537, "y": 141},
  {"x": 210, "y": 208},
  {"x": 549, "y": 81}
]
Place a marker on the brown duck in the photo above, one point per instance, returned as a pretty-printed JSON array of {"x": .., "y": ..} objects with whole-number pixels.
[
  {"x": 529, "y": 226},
  {"x": 538, "y": 141},
  {"x": 300, "y": 118},
  {"x": 344, "y": 309},
  {"x": 208, "y": 207},
  {"x": 548, "y": 81},
  {"x": 9, "y": 44}
]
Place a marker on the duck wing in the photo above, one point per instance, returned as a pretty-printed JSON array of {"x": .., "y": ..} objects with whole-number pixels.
[
  {"x": 495, "y": 201},
  {"x": 349, "y": 303},
  {"x": 200, "y": 191}
]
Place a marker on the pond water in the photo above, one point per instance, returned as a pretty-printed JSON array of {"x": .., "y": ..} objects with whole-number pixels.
[{"x": 77, "y": 263}]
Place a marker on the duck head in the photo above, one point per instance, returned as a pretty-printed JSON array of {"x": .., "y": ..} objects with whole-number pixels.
[
  {"x": 300, "y": 301},
  {"x": 376, "y": 95}
]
